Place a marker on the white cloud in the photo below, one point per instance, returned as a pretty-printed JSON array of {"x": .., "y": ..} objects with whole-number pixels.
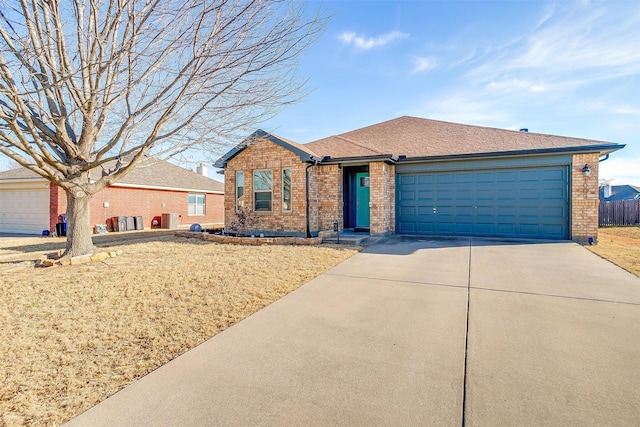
[
  {"x": 589, "y": 42},
  {"x": 473, "y": 55},
  {"x": 539, "y": 88},
  {"x": 515, "y": 85},
  {"x": 421, "y": 64},
  {"x": 462, "y": 107},
  {"x": 362, "y": 43},
  {"x": 615, "y": 109},
  {"x": 568, "y": 63},
  {"x": 626, "y": 109}
]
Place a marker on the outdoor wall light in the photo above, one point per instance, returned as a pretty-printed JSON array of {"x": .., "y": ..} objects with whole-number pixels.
[{"x": 586, "y": 170}]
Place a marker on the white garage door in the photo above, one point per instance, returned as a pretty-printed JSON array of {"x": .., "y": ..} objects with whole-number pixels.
[{"x": 24, "y": 208}]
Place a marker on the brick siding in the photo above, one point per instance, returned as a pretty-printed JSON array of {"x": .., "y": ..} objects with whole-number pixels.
[
  {"x": 57, "y": 205},
  {"x": 147, "y": 203},
  {"x": 264, "y": 154},
  {"x": 584, "y": 198},
  {"x": 326, "y": 193},
  {"x": 326, "y": 200},
  {"x": 382, "y": 198}
]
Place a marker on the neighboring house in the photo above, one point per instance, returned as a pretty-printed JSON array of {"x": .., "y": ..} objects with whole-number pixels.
[
  {"x": 417, "y": 176},
  {"x": 31, "y": 204},
  {"x": 614, "y": 193}
]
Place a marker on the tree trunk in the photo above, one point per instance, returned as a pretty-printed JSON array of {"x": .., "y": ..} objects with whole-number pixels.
[{"x": 78, "y": 225}]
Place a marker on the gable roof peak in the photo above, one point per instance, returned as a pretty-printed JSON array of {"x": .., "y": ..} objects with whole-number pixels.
[{"x": 304, "y": 152}]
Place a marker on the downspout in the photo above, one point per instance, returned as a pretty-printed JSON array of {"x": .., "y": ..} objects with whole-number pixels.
[
  {"x": 606, "y": 156},
  {"x": 309, "y": 166}
]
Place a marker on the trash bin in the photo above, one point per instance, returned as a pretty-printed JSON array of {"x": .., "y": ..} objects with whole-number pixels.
[
  {"x": 119, "y": 223},
  {"x": 139, "y": 222},
  {"x": 61, "y": 229},
  {"x": 131, "y": 223}
]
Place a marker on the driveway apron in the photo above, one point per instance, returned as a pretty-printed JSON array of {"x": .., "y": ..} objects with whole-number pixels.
[
  {"x": 553, "y": 337},
  {"x": 378, "y": 340},
  {"x": 416, "y": 331}
]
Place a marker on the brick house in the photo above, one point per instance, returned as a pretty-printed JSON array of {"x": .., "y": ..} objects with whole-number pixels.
[
  {"x": 31, "y": 204},
  {"x": 614, "y": 193},
  {"x": 417, "y": 176}
]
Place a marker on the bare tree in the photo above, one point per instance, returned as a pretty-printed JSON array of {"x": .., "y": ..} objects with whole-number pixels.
[{"x": 100, "y": 84}]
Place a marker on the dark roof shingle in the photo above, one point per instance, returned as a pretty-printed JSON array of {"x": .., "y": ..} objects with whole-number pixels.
[{"x": 417, "y": 137}]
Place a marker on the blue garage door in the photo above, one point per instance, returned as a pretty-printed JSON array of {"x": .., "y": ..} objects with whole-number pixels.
[{"x": 517, "y": 202}]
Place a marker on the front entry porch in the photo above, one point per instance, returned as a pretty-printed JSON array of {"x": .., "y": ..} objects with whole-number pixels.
[{"x": 351, "y": 237}]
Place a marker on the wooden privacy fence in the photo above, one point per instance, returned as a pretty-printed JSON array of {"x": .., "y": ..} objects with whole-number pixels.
[{"x": 621, "y": 212}]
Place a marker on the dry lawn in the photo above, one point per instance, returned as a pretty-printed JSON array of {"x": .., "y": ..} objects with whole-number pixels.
[
  {"x": 620, "y": 245},
  {"x": 72, "y": 336}
]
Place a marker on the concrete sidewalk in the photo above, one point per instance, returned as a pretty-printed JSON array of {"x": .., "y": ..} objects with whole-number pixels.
[{"x": 382, "y": 340}]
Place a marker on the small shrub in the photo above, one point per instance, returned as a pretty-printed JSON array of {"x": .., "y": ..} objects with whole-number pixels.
[{"x": 244, "y": 220}]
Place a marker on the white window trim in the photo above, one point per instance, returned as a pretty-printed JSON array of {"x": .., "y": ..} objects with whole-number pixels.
[{"x": 204, "y": 204}]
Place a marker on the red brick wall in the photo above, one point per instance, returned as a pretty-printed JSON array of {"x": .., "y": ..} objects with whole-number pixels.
[
  {"x": 140, "y": 202},
  {"x": 584, "y": 198},
  {"x": 57, "y": 205}
]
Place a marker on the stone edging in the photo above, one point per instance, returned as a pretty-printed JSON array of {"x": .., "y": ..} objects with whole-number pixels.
[
  {"x": 52, "y": 258},
  {"x": 251, "y": 240}
]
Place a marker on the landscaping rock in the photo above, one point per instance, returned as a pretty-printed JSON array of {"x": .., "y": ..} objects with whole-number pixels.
[
  {"x": 77, "y": 260},
  {"x": 55, "y": 255},
  {"x": 99, "y": 256},
  {"x": 251, "y": 240}
]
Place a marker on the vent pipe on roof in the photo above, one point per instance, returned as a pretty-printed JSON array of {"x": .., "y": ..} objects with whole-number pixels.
[
  {"x": 524, "y": 130},
  {"x": 202, "y": 170}
]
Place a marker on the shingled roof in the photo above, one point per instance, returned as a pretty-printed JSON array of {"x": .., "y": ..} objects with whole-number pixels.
[
  {"x": 149, "y": 173},
  {"x": 415, "y": 137},
  {"x": 303, "y": 150}
]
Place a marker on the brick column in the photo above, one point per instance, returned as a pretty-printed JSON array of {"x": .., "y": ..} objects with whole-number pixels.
[
  {"x": 584, "y": 198},
  {"x": 382, "y": 198},
  {"x": 57, "y": 205}
]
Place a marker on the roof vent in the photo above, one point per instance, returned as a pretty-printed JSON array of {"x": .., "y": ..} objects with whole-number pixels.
[{"x": 524, "y": 130}]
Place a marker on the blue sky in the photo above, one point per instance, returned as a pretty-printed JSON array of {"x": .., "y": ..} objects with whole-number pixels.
[{"x": 566, "y": 68}]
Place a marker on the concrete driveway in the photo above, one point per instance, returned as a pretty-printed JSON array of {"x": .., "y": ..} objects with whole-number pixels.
[
  {"x": 417, "y": 331},
  {"x": 16, "y": 235}
]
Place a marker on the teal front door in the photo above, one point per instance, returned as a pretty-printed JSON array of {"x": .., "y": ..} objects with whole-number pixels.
[{"x": 362, "y": 200}]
